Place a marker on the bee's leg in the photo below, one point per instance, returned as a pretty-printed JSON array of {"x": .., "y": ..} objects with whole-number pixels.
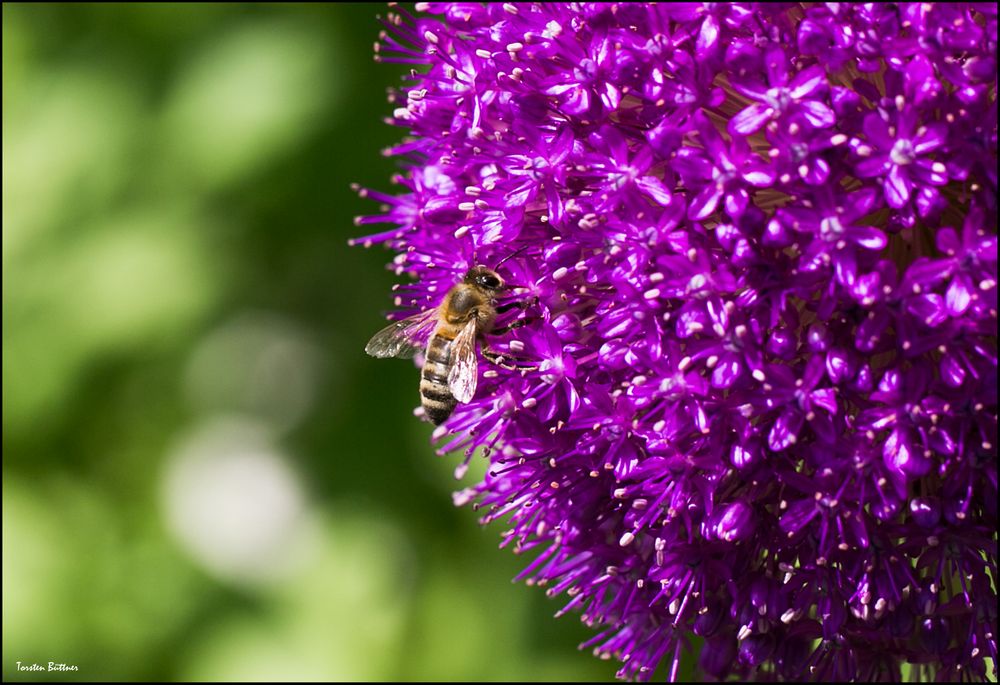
[
  {"x": 523, "y": 304},
  {"x": 502, "y": 309},
  {"x": 500, "y": 360},
  {"x": 510, "y": 305},
  {"x": 497, "y": 359},
  {"x": 511, "y": 326}
]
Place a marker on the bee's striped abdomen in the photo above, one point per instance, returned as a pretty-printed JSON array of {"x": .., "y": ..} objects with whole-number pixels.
[{"x": 437, "y": 400}]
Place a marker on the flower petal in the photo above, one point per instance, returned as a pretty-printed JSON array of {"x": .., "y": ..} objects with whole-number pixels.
[
  {"x": 959, "y": 295},
  {"x": 877, "y": 130},
  {"x": 846, "y": 267},
  {"x": 817, "y": 172},
  {"x": 692, "y": 165},
  {"x": 705, "y": 202},
  {"x": 776, "y": 63},
  {"x": 837, "y": 365},
  {"x": 726, "y": 372},
  {"x": 897, "y": 187},
  {"x": 928, "y": 308},
  {"x": 869, "y": 237},
  {"x": 750, "y": 120},
  {"x": 759, "y": 175},
  {"x": 654, "y": 188},
  {"x": 825, "y": 398},
  {"x": 808, "y": 82},
  {"x": 901, "y": 455},
  {"x": 952, "y": 372},
  {"x": 930, "y": 139},
  {"x": 708, "y": 37},
  {"x": 785, "y": 431},
  {"x": 873, "y": 166},
  {"x": 734, "y": 522},
  {"x": 736, "y": 202},
  {"x": 817, "y": 114},
  {"x": 797, "y": 516}
]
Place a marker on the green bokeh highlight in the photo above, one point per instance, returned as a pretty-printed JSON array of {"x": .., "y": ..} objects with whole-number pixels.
[{"x": 176, "y": 207}]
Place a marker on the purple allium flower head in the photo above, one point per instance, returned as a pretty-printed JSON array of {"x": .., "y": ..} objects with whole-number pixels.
[{"x": 754, "y": 399}]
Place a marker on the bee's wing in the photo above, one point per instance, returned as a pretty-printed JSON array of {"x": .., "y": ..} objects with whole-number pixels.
[
  {"x": 464, "y": 368},
  {"x": 403, "y": 338}
]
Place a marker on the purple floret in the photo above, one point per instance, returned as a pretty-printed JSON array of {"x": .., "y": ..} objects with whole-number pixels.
[{"x": 754, "y": 398}]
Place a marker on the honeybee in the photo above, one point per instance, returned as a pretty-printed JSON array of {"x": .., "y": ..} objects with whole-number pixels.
[{"x": 451, "y": 370}]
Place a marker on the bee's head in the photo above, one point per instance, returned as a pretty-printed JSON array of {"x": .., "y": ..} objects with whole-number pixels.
[{"x": 484, "y": 278}]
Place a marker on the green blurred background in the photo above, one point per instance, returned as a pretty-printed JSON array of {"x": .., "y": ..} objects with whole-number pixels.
[{"x": 204, "y": 477}]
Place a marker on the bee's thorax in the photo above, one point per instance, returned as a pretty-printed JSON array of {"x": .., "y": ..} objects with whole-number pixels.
[{"x": 465, "y": 303}]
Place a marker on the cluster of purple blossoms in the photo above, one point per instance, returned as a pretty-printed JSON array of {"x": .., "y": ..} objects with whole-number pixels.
[{"x": 756, "y": 399}]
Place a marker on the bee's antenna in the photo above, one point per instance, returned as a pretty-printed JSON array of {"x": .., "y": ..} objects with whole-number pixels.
[{"x": 510, "y": 256}]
